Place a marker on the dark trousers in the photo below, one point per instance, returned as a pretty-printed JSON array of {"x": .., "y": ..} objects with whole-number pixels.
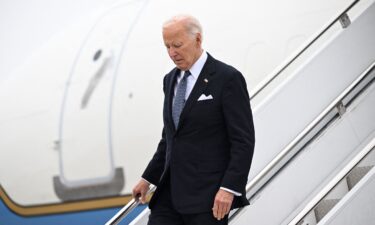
[{"x": 163, "y": 212}]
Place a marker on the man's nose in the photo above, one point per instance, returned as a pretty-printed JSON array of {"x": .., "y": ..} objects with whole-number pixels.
[{"x": 172, "y": 52}]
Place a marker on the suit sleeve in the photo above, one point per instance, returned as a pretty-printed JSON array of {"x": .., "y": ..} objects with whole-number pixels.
[
  {"x": 155, "y": 167},
  {"x": 240, "y": 130}
]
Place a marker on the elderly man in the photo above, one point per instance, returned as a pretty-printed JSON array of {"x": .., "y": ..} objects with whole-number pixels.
[{"x": 203, "y": 159}]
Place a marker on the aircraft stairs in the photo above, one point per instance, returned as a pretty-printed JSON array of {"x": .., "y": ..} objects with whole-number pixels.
[{"x": 314, "y": 129}]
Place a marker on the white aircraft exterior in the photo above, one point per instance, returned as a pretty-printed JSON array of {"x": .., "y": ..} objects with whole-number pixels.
[{"x": 81, "y": 91}]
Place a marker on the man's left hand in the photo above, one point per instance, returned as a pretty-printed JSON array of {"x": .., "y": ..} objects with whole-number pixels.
[{"x": 222, "y": 204}]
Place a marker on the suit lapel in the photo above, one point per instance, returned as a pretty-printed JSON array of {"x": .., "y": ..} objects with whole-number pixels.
[
  {"x": 170, "y": 94},
  {"x": 199, "y": 87}
]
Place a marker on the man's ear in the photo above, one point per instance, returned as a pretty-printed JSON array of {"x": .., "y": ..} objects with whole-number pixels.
[{"x": 198, "y": 38}]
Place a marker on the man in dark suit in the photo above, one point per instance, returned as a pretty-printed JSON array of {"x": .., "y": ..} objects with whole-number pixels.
[{"x": 203, "y": 159}]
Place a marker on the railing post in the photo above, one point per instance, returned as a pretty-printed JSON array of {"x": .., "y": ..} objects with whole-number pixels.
[{"x": 345, "y": 20}]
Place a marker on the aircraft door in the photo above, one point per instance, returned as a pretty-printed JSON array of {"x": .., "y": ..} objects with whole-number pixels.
[{"x": 85, "y": 135}]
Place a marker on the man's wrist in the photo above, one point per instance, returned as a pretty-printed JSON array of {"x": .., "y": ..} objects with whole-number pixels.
[
  {"x": 148, "y": 182},
  {"x": 231, "y": 191}
]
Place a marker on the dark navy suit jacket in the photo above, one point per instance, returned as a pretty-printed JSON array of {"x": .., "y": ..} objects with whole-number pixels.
[{"x": 213, "y": 144}]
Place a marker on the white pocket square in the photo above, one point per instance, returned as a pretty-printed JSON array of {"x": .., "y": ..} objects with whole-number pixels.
[{"x": 204, "y": 97}]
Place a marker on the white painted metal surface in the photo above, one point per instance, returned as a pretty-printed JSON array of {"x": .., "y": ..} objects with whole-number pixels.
[
  {"x": 305, "y": 176},
  {"x": 357, "y": 207},
  {"x": 88, "y": 97},
  {"x": 335, "y": 188},
  {"x": 302, "y": 97}
]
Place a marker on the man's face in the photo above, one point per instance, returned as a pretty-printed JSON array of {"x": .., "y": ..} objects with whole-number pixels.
[{"x": 183, "y": 48}]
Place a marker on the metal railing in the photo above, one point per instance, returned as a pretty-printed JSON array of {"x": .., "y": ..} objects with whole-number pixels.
[
  {"x": 341, "y": 175},
  {"x": 256, "y": 184},
  {"x": 264, "y": 83},
  {"x": 342, "y": 16},
  {"x": 124, "y": 211}
]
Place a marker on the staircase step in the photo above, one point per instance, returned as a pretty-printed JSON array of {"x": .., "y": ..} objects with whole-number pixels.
[
  {"x": 308, "y": 220},
  {"x": 302, "y": 222},
  {"x": 357, "y": 174},
  {"x": 324, "y": 207}
]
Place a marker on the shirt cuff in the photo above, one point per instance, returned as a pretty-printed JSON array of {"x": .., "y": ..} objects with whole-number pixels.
[
  {"x": 146, "y": 180},
  {"x": 231, "y": 191}
]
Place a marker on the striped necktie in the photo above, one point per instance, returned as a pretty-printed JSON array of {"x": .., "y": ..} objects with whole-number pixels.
[{"x": 179, "y": 99}]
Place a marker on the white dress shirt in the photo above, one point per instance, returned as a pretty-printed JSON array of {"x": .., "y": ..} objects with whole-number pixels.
[{"x": 195, "y": 70}]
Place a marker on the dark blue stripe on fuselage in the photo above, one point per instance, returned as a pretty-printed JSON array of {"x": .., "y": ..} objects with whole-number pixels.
[{"x": 91, "y": 217}]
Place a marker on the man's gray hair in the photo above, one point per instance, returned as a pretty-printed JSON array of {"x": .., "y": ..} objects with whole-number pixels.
[{"x": 191, "y": 23}]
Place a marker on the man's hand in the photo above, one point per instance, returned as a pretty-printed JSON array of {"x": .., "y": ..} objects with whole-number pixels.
[
  {"x": 223, "y": 202},
  {"x": 140, "y": 190}
]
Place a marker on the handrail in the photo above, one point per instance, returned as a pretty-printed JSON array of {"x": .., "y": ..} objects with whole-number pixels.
[
  {"x": 124, "y": 211},
  {"x": 341, "y": 175},
  {"x": 256, "y": 184},
  {"x": 116, "y": 219},
  {"x": 265, "y": 82}
]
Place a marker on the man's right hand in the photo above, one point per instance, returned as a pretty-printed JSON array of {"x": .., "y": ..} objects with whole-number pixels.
[{"x": 140, "y": 190}]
